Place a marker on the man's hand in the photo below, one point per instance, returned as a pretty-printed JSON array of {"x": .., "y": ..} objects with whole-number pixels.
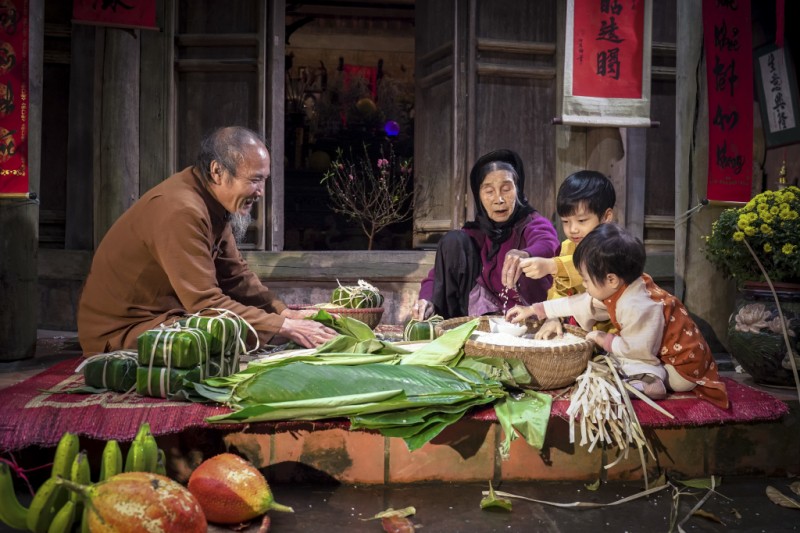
[
  {"x": 307, "y": 333},
  {"x": 511, "y": 269},
  {"x": 421, "y": 309},
  {"x": 538, "y": 267},
  {"x": 550, "y": 329}
]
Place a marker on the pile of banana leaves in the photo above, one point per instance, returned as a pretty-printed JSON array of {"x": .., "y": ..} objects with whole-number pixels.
[{"x": 380, "y": 385}]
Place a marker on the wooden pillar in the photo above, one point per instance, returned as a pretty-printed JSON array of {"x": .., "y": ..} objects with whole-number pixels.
[
  {"x": 116, "y": 139},
  {"x": 78, "y": 231},
  {"x": 697, "y": 282},
  {"x": 19, "y": 221}
]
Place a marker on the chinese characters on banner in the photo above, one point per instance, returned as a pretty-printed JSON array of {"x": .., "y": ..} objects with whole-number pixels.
[
  {"x": 777, "y": 89},
  {"x": 607, "y": 63},
  {"x": 607, "y": 55},
  {"x": 14, "y": 97},
  {"x": 728, "y": 46},
  {"x": 118, "y": 13}
]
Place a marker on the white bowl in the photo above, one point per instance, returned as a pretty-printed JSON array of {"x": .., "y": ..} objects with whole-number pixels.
[{"x": 501, "y": 325}]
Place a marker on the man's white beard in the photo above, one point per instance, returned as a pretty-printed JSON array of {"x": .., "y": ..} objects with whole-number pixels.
[{"x": 239, "y": 224}]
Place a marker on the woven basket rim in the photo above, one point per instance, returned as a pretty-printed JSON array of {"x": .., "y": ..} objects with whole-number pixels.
[
  {"x": 578, "y": 332},
  {"x": 550, "y": 367}
]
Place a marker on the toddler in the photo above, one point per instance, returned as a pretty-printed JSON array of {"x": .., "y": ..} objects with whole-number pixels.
[{"x": 658, "y": 347}]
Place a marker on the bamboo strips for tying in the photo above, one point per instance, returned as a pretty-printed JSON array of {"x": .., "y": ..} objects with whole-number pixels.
[{"x": 600, "y": 405}]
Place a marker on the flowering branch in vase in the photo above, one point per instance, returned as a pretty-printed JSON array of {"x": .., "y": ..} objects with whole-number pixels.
[{"x": 374, "y": 194}]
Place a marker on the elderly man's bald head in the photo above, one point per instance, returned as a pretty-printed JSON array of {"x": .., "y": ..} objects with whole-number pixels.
[{"x": 226, "y": 146}]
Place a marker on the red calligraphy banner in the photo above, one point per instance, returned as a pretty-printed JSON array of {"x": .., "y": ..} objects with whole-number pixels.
[
  {"x": 13, "y": 97},
  {"x": 117, "y": 13},
  {"x": 608, "y": 46},
  {"x": 728, "y": 43}
]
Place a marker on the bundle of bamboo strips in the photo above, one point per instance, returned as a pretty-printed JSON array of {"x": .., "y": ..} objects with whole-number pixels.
[{"x": 600, "y": 406}]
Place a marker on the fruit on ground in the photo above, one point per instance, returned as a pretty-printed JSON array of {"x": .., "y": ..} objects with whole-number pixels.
[
  {"x": 140, "y": 501},
  {"x": 231, "y": 490}
]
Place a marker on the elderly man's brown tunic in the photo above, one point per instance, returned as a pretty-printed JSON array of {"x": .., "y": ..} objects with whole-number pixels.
[{"x": 170, "y": 254}]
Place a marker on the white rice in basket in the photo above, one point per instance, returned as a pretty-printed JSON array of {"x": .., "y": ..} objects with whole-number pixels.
[{"x": 504, "y": 339}]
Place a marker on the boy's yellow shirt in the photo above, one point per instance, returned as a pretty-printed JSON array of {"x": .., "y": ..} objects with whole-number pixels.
[{"x": 567, "y": 280}]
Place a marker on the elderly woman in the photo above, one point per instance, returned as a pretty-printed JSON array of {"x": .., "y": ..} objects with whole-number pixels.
[{"x": 477, "y": 270}]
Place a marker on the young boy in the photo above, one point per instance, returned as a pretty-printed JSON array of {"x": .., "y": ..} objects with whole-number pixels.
[
  {"x": 585, "y": 200},
  {"x": 658, "y": 347}
]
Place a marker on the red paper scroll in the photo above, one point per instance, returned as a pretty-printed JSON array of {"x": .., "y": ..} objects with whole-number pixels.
[
  {"x": 728, "y": 46},
  {"x": 118, "y": 13},
  {"x": 608, "y": 48},
  {"x": 13, "y": 97}
]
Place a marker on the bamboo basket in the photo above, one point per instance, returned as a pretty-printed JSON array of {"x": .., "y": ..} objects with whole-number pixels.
[
  {"x": 371, "y": 316},
  {"x": 551, "y": 367}
]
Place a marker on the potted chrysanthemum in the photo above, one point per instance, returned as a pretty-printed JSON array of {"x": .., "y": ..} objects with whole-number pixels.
[{"x": 745, "y": 242}]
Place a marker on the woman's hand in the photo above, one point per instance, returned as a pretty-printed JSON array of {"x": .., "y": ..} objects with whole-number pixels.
[
  {"x": 550, "y": 329},
  {"x": 511, "y": 268},
  {"x": 538, "y": 267},
  {"x": 421, "y": 309}
]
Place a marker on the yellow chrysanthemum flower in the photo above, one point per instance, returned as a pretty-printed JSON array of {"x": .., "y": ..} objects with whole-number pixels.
[
  {"x": 742, "y": 222},
  {"x": 767, "y": 247},
  {"x": 774, "y": 210},
  {"x": 788, "y": 248},
  {"x": 738, "y": 236},
  {"x": 765, "y": 229},
  {"x": 749, "y": 231}
]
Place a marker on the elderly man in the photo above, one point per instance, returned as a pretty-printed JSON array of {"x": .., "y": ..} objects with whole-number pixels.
[{"x": 174, "y": 253}]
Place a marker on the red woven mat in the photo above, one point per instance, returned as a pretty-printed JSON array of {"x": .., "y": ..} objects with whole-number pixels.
[
  {"x": 32, "y": 417},
  {"x": 746, "y": 405}
]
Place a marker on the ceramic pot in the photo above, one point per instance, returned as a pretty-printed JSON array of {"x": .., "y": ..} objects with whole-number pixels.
[{"x": 755, "y": 335}]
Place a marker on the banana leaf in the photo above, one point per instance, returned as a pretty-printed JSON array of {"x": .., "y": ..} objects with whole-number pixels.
[
  {"x": 426, "y": 399},
  {"x": 508, "y": 371},
  {"x": 445, "y": 350},
  {"x": 527, "y": 416},
  {"x": 344, "y": 325}
]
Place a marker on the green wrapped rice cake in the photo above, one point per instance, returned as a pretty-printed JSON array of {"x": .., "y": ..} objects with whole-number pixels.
[
  {"x": 174, "y": 347},
  {"x": 114, "y": 371},
  {"x": 162, "y": 382},
  {"x": 228, "y": 334}
]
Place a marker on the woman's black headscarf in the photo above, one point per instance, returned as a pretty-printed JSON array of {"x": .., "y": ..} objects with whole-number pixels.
[{"x": 508, "y": 160}]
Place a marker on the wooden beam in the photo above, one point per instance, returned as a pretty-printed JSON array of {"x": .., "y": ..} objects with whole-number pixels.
[
  {"x": 516, "y": 47},
  {"x": 217, "y": 39},
  {"x": 19, "y": 219},
  {"x": 154, "y": 160},
  {"x": 275, "y": 72},
  {"x": 80, "y": 165},
  {"x": 117, "y": 180},
  {"x": 216, "y": 65},
  {"x": 506, "y": 71}
]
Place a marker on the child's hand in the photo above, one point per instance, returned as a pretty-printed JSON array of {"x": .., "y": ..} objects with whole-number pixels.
[
  {"x": 550, "y": 329},
  {"x": 538, "y": 267},
  {"x": 518, "y": 314},
  {"x": 597, "y": 337}
]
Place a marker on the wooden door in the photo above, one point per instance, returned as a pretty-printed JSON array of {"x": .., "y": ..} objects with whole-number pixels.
[
  {"x": 440, "y": 119},
  {"x": 486, "y": 80}
]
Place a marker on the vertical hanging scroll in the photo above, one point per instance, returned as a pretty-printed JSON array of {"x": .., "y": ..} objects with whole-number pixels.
[
  {"x": 727, "y": 40},
  {"x": 14, "y": 98},
  {"x": 606, "y": 79}
]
